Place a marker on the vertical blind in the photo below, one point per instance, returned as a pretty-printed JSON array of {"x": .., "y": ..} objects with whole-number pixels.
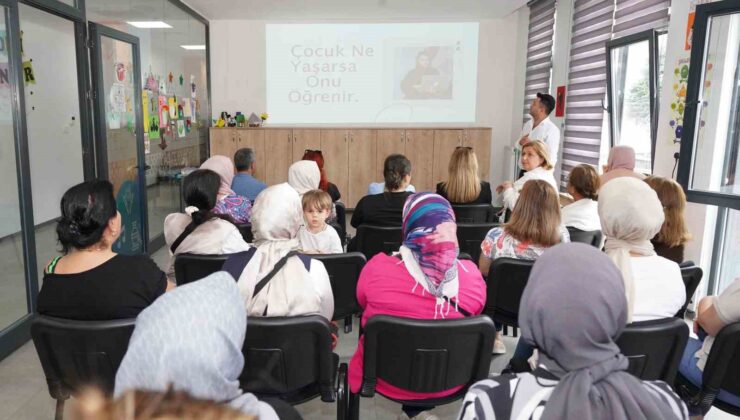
[
  {"x": 584, "y": 118},
  {"x": 539, "y": 50}
]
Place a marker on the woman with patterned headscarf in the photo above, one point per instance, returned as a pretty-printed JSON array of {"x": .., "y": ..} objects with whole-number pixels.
[
  {"x": 238, "y": 208},
  {"x": 424, "y": 280}
]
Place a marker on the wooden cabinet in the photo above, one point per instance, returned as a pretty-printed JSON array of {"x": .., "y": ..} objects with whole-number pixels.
[
  {"x": 335, "y": 149},
  {"x": 362, "y": 153},
  {"x": 278, "y": 156},
  {"x": 354, "y": 156},
  {"x": 445, "y": 143},
  {"x": 421, "y": 155},
  {"x": 305, "y": 139},
  {"x": 388, "y": 143},
  {"x": 480, "y": 140}
]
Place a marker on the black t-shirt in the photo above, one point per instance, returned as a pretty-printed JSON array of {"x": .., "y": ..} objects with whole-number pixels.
[
  {"x": 384, "y": 209},
  {"x": 119, "y": 288},
  {"x": 483, "y": 198},
  {"x": 333, "y": 192}
]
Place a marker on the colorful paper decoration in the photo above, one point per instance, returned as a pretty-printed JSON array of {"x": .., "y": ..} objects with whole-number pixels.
[
  {"x": 169, "y": 77},
  {"x": 145, "y": 109},
  {"x": 120, "y": 72},
  {"x": 182, "y": 79},
  {"x": 186, "y": 108},
  {"x": 180, "y": 128},
  {"x": 153, "y": 127},
  {"x": 188, "y": 125},
  {"x": 163, "y": 112},
  {"x": 192, "y": 86},
  {"x": 172, "y": 105},
  {"x": 28, "y": 76}
]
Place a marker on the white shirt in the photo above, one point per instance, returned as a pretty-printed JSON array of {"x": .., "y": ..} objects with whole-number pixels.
[
  {"x": 582, "y": 214},
  {"x": 510, "y": 195},
  {"x": 659, "y": 288},
  {"x": 545, "y": 131},
  {"x": 325, "y": 242}
]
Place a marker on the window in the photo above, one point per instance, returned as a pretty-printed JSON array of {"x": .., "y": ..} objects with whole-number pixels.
[
  {"x": 633, "y": 80},
  {"x": 710, "y": 144},
  {"x": 539, "y": 50},
  {"x": 726, "y": 266}
]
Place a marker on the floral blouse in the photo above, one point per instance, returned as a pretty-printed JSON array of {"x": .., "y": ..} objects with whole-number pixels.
[
  {"x": 498, "y": 243},
  {"x": 235, "y": 206}
]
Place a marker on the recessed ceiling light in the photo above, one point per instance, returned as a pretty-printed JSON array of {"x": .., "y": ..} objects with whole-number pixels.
[
  {"x": 193, "y": 47},
  {"x": 150, "y": 24}
]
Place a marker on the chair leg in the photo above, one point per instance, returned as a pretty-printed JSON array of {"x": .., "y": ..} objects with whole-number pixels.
[
  {"x": 354, "y": 406},
  {"x": 59, "y": 414},
  {"x": 506, "y": 329},
  {"x": 348, "y": 324},
  {"x": 515, "y": 331},
  {"x": 342, "y": 391}
]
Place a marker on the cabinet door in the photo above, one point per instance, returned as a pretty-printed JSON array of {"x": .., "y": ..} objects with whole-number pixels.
[
  {"x": 335, "y": 149},
  {"x": 362, "y": 149},
  {"x": 420, "y": 151},
  {"x": 278, "y": 155},
  {"x": 223, "y": 141},
  {"x": 445, "y": 142},
  {"x": 389, "y": 142},
  {"x": 305, "y": 139},
  {"x": 480, "y": 140},
  {"x": 253, "y": 138}
]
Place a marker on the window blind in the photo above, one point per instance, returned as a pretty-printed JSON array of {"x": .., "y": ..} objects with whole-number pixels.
[
  {"x": 633, "y": 16},
  {"x": 539, "y": 50},
  {"x": 584, "y": 115}
]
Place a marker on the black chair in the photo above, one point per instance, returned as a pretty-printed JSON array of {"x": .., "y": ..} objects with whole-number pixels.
[
  {"x": 341, "y": 223},
  {"x": 246, "y": 230},
  {"x": 373, "y": 240},
  {"x": 470, "y": 236},
  {"x": 424, "y": 356},
  {"x": 290, "y": 358},
  {"x": 654, "y": 348},
  {"x": 720, "y": 372},
  {"x": 591, "y": 237},
  {"x": 75, "y": 354},
  {"x": 506, "y": 281},
  {"x": 473, "y": 213},
  {"x": 344, "y": 271},
  {"x": 691, "y": 278},
  {"x": 192, "y": 267}
]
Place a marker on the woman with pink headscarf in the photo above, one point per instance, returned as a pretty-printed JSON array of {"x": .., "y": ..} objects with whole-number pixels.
[
  {"x": 238, "y": 208},
  {"x": 424, "y": 280},
  {"x": 621, "y": 163}
]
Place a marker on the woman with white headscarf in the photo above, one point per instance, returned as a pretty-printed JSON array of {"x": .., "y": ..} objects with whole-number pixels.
[
  {"x": 190, "y": 339},
  {"x": 304, "y": 176},
  {"x": 297, "y": 285},
  {"x": 235, "y": 206},
  {"x": 631, "y": 215},
  {"x": 581, "y": 373}
]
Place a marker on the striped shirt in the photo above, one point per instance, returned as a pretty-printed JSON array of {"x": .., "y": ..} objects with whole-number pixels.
[{"x": 524, "y": 396}]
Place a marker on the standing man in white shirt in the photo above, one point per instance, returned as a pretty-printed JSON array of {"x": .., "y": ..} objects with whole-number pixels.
[{"x": 539, "y": 127}]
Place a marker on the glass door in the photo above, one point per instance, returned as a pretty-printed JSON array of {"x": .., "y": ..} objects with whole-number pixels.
[{"x": 119, "y": 131}]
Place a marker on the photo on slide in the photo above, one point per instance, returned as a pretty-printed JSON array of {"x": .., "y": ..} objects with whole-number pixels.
[{"x": 423, "y": 73}]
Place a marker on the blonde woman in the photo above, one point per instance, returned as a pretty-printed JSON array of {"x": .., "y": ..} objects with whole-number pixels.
[
  {"x": 674, "y": 235},
  {"x": 536, "y": 164},
  {"x": 463, "y": 185}
]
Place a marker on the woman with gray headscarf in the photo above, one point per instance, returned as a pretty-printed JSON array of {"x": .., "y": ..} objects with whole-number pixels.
[
  {"x": 191, "y": 339},
  {"x": 581, "y": 372}
]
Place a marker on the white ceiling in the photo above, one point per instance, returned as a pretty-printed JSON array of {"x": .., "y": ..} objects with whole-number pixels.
[{"x": 354, "y": 10}]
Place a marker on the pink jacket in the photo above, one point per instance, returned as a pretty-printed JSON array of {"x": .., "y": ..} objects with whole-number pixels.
[{"x": 385, "y": 288}]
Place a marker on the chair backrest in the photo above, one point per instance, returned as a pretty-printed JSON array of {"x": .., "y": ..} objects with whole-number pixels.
[
  {"x": 344, "y": 271},
  {"x": 75, "y": 354},
  {"x": 246, "y": 230},
  {"x": 691, "y": 278},
  {"x": 470, "y": 236},
  {"x": 591, "y": 237},
  {"x": 192, "y": 267},
  {"x": 723, "y": 363},
  {"x": 284, "y": 355},
  {"x": 654, "y": 348},
  {"x": 373, "y": 240},
  {"x": 473, "y": 213},
  {"x": 424, "y": 355},
  {"x": 506, "y": 281},
  {"x": 341, "y": 216}
]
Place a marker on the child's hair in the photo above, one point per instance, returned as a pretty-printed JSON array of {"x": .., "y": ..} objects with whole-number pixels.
[
  {"x": 86, "y": 209},
  {"x": 316, "y": 199},
  {"x": 585, "y": 180}
]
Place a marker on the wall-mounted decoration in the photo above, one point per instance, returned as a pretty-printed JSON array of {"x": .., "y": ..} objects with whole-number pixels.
[
  {"x": 145, "y": 109},
  {"x": 28, "y": 76},
  {"x": 172, "y": 105},
  {"x": 163, "y": 112},
  {"x": 153, "y": 125},
  {"x": 120, "y": 72},
  {"x": 188, "y": 125},
  {"x": 182, "y": 79},
  {"x": 192, "y": 86},
  {"x": 180, "y": 128},
  {"x": 170, "y": 77}
]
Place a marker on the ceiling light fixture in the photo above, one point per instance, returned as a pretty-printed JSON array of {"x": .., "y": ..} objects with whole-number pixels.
[
  {"x": 193, "y": 47},
  {"x": 150, "y": 24}
]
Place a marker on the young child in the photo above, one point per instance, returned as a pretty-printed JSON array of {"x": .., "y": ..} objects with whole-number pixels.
[{"x": 316, "y": 236}]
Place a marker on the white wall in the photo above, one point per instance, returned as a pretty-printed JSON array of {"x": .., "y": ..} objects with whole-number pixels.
[{"x": 238, "y": 76}]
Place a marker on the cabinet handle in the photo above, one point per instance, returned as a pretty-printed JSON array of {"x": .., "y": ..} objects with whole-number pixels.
[
  {"x": 345, "y": 137},
  {"x": 351, "y": 138},
  {"x": 288, "y": 138}
]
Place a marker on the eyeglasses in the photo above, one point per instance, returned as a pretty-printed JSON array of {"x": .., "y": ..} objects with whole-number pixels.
[
  {"x": 312, "y": 151},
  {"x": 464, "y": 147}
]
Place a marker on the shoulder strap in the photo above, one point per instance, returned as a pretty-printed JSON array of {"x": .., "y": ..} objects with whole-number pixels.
[
  {"x": 188, "y": 230},
  {"x": 53, "y": 264},
  {"x": 236, "y": 263},
  {"x": 278, "y": 266},
  {"x": 460, "y": 309}
]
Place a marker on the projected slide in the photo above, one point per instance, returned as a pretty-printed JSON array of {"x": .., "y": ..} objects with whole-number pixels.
[{"x": 371, "y": 73}]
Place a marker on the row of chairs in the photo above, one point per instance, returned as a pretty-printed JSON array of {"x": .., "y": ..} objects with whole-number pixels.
[{"x": 291, "y": 358}]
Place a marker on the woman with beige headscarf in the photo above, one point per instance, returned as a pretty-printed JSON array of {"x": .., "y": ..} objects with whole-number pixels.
[
  {"x": 238, "y": 208},
  {"x": 631, "y": 215},
  {"x": 304, "y": 176},
  {"x": 297, "y": 284},
  {"x": 621, "y": 163}
]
